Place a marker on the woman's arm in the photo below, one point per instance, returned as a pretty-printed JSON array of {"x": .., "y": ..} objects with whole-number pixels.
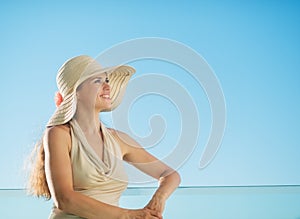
[{"x": 168, "y": 178}]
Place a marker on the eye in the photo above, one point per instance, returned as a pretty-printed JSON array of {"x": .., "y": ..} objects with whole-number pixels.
[{"x": 98, "y": 80}]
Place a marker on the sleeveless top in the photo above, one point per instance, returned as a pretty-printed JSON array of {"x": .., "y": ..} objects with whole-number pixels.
[{"x": 103, "y": 180}]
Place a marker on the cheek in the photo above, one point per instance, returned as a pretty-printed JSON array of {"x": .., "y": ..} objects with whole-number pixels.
[{"x": 87, "y": 95}]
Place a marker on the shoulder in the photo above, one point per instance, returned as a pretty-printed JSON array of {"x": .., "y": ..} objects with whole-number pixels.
[
  {"x": 58, "y": 130},
  {"x": 58, "y": 134},
  {"x": 127, "y": 144},
  {"x": 123, "y": 138}
]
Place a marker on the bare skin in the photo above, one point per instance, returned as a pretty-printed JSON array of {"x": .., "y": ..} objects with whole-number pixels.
[{"x": 92, "y": 98}]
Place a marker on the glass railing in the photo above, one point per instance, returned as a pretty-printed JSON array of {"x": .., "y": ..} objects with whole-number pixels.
[{"x": 228, "y": 202}]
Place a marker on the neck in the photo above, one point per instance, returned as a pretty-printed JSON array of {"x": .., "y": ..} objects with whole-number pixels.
[{"x": 88, "y": 120}]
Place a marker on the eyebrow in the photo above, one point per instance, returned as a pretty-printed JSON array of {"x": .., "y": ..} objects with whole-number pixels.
[{"x": 97, "y": 77}]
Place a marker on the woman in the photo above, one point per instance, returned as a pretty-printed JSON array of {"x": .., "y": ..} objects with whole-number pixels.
[{"x": 80, "y": 161}]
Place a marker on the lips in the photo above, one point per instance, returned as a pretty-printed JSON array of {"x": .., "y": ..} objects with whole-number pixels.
[{"x": 105, "y": 96}]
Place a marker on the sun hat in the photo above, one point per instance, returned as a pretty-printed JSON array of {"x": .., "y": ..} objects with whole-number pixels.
[{"x": 78, "y": 69}]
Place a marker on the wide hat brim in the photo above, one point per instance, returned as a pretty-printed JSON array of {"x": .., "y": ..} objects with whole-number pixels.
[{"x": 119, "y": 77}]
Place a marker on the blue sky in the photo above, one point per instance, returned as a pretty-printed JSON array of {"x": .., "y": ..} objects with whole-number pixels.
[{"x": 252, "y": 47}]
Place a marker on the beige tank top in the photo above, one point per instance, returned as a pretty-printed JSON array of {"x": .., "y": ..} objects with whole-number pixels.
[{"x": 103, "y": 180}]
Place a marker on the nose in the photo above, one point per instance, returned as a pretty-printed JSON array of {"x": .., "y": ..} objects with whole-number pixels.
[{"x": 106, "y": 86}]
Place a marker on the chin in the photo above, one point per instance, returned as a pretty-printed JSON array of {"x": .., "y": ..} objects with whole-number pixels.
[{"x": 105, "y": 108}]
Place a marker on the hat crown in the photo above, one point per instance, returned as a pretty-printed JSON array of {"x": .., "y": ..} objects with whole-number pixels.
[{"x": 72, "y": 71}]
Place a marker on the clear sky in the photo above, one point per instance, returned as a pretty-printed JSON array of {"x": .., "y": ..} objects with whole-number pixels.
[{"x": 253, "y": 48}]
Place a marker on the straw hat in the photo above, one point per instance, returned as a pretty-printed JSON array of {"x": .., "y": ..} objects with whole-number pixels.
[{"x": 78, "y": 69}]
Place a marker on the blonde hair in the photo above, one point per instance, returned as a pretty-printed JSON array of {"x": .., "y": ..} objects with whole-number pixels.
[{"x": 37, "y": 183}]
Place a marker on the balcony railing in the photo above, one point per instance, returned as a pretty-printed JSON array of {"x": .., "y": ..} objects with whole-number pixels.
[{"x": 219, "y": 202}]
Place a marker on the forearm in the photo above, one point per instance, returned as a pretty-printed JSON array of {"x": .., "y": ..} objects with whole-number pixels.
[
  {"x": 86, "y": 207},
  {"x": 167, "y": 185}
]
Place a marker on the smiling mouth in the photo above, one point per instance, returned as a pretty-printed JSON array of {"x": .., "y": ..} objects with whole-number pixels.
[{"x": 105, "y": 96}]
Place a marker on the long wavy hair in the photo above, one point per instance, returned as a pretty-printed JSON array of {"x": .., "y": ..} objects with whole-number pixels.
[{"x": 37, "y": 184}]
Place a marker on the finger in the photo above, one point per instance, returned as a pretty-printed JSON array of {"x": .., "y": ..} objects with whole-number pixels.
[
  {"x": 155, "y": 217},
  {"x": 158, "y": 210},
  {"x": 155, "y": 213}
]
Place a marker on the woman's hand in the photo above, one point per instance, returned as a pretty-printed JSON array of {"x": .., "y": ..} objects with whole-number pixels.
[
  {"x": 144, "y": 213},
  {"x": 156, "y": 203}
]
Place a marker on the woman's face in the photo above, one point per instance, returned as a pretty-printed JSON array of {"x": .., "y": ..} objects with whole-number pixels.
[{"x": 95, "y": 92}]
